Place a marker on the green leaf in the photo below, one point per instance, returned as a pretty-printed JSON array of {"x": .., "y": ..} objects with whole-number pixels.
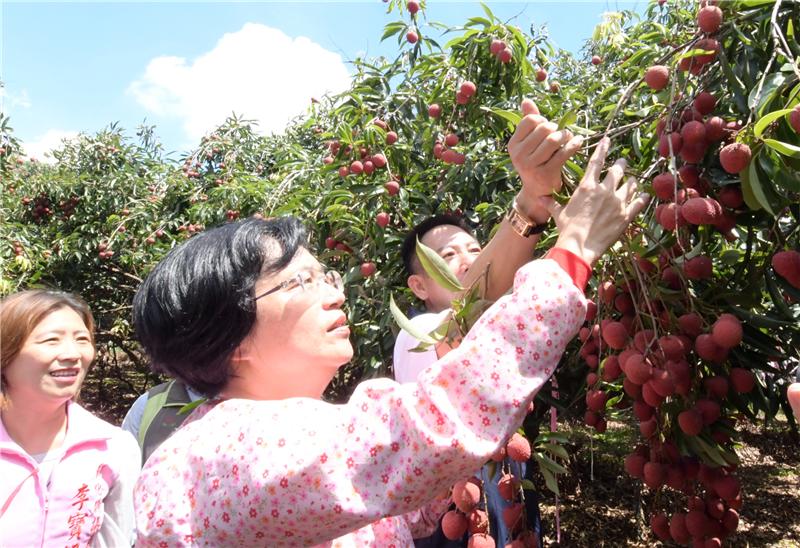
[
  {"x": 548, "y": 463},
  {"x": 767, "y": 119},
  {"x": 712, "y": 452},
  {"x": 550, "y": 480},
  {"x": 191, "y": 406},
  {"x": 556, "y": 450},
  {"x": 513, "y": 117},
  {"x": 757, "y": 189},
  {"x": 568, "y": 119},
  {"x": 747, "y": 191},
  {"x": 407, "y": 325},
  {"x": 437, "y": 269},
  {"x": 528, "y": 484},
  {"x": 783, "y": 148}
]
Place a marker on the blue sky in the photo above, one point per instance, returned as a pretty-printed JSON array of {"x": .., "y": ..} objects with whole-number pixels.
[{"x": 73, "y": 67}]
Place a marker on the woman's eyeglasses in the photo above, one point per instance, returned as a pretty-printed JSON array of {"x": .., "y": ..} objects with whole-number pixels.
[{"x": 307, "y": 281}]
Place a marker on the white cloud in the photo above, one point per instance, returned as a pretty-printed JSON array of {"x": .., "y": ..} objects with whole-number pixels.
[
  {"x": 41, "y": 147},
  {"x": 20, "y": 99},
  {"x": 258, "y": 72}
]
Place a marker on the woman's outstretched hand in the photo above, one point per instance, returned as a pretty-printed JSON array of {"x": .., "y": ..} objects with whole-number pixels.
[{"x": 598, "y": 211}]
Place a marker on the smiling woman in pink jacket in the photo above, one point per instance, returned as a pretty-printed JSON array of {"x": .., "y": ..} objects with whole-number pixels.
[
  {"x": 248, "y": 316},
  {"x": 67, "y": 476}
]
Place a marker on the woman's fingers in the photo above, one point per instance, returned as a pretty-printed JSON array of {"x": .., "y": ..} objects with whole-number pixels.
[
  {"x": 615, "y": 174},
  {"x": 528, "y": 107},
  {"x": 595, "y": 165},
  {"x": 637, "y": 205}
]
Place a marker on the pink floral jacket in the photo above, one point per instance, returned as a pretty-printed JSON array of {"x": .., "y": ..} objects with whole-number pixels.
[{"x": 302, "y": 472}]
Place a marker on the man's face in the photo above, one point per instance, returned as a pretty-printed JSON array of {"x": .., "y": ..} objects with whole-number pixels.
[{"x": 459, "y": 250}]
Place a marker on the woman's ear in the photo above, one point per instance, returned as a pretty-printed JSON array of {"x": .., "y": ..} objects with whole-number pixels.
[{"x": 418, "y": 286}]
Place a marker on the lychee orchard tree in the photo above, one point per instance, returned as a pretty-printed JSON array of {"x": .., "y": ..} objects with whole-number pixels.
[{"x": 693, "y": 324}]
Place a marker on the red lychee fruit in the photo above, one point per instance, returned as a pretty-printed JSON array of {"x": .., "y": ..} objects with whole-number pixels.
[
  {"x": 649, "y": 394},
  {"x": 677, "y": 528},
  {"x": 382, "y": 219},
  {"x": 468, "y": 88},
  {"x": 670, "y": 216},
  {"x": 787, "y": 265},
  {"x": 727, "y": 331},
  {"x": 518, "y": 448},
  {"x": 704, "y": 103},
  {"x": 454, "y": 525},
  {"x": 541, "y": 75},
  {"x": 356, "y": 167},
  {"x": 391, "y": 138},
  {"x": 715, "y": 129},
  {"x": 392, "y": 187},
  {"x": 478, "y": 522},
  {"x": 508, "y": 486},
  {"x": 657, "y": 77},
  {"x": 689, "y": 176},
  {"x": 709, "y": 19},
  {"x": 634, "y": 465},
  {"x": 664, "y": 144},
  {"x": 731, "y": 196},
  {"x": 611, "y": 369},
  {"x": 735, "y": 157},
  {"x": 379, "y": 160},
  {"x": 709, "y": 409},
  {"x": 596, "y": 60},
  {"x": 435, "y": 110},
  {"x": 794, "y": 119},
  {"x": 691, "y": 324},
  {"x": 693, "y": 133},
  {"x": 638, "y": 370},
  {"x": 596, "y": 400},
  {"x": 505, "y": 56},
  {"x": 481, "y": 540},
  {"x": 701, "y": 211},
  {"x": 706, "y": 44},
  {"x": 368, "y": 269},
  {"x": 654, "y": 474},
  {"x": 344, "y": 171},
  {"x": 691, "y": 422},
  {"x": 615, "y": 335},
  {"x": 716, "y": 386},
  {"x": 696, "y": 523},
  {"x": 412, "y": 6},
  {"x": 412, "y": 37},
  {"x": 512, "y": 515},
  {"x": 707, "y": 349},
  {"x": 730, "y": 520},
  {"x": 662, "y": 382},
  {"x": 742, "y": 380},
  {"x": 664, "y": 186},
  {"x": 660, "y": 526},
  {"x": 698, "y": 268},
  {"x": 496, "y": 47},
  {"x": 466, "y": 495},
  {"x": 727, "y": 487}
]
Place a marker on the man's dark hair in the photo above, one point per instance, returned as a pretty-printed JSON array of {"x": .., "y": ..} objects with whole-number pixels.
[
  {"x": 409, "y": 248},
  {"x": 197, "y": 305}
]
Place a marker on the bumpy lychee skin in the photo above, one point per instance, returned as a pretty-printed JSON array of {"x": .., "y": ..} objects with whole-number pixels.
[
  {"x": 707, "y": 349},
  {"x": 634, "y": 465},
  {"x": 701, "y": 211},
  {"x": 709, "y": 19},
  {"x": 731, "y": 196},
  {"x": 518, "y": 448},
  {"x": 787, "y": 265},
  {"x": 659, "y": 523},
  {"x": 454, "y": 525},
  {"x": 742, "y": 380},
  {"x": 615, "y": 335},
  {"x": 481, "y": 540},
  {"x": 693, "y": 133},
  {"x": 478, "y": 521},
  {"x": 466, "y": 495},
  {"x": 727, "y": 331},
  {"x": 698, "y": 268},
  {"x": 691, "y": 422},
  {"x": 704, "y": 103},
  {"x": 735, "y": 157},
  {"x": 664, "y": 186},
  {"x": 508, "y": 486},
  {"x": 657, "y": 77}
]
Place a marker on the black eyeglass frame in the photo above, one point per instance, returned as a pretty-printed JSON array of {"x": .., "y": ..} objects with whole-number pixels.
[{"x": 330, "y": 277}]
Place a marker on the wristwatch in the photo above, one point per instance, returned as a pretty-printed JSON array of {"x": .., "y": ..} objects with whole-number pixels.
[{"x": 521, "y": 224}]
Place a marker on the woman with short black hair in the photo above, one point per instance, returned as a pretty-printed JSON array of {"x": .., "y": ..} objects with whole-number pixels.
[{"x": 247, "y": 314}]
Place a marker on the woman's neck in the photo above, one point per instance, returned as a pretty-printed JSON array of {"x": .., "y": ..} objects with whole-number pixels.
[{"x": 37, "y": 430}]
